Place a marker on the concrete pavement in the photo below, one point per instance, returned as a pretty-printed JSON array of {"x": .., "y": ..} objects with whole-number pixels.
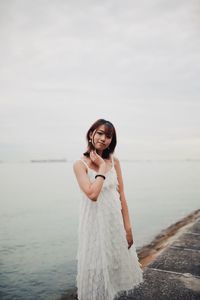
[{"x": 175, "y": 273}]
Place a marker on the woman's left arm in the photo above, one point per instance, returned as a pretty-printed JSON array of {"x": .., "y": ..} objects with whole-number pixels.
[{"x": 125, "y": 212}]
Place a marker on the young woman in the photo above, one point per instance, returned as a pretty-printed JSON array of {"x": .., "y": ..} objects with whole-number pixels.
[{"x": 108, "y": 265}]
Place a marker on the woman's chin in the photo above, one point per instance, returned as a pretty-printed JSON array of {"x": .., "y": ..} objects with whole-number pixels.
[{"x": 99, "y": 149}]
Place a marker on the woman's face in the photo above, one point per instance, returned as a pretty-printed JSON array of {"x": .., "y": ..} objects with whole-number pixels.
[{"x": 100, "y": 139}]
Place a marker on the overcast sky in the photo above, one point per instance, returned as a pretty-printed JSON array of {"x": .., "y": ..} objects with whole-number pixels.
[{"x": 64, "y": 64}]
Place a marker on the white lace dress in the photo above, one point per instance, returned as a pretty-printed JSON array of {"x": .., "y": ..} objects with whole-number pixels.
[{"x": 106, "y": 268}]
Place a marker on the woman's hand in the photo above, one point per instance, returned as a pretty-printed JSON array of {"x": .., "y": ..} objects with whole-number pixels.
[
  {"x": 96, "y": 158},
  {"x": 129, "y": 237}
]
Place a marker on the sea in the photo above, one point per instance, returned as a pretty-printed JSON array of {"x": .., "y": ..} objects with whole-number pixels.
[{"x": 39, "y": 205}]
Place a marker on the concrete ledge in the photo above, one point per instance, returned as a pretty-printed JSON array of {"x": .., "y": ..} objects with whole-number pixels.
[
  {"x": 175, "y": 273},
  {"x": 178, "y": 260},
  {"x": 162, "y": 285},
  {"x": 188, "y": 240}
]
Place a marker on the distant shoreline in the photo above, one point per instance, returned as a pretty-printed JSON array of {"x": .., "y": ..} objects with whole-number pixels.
[{"x": 150, "y": 251}]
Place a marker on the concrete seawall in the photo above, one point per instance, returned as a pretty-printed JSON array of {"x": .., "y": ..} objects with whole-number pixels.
[{"x": 173, "y": 270}]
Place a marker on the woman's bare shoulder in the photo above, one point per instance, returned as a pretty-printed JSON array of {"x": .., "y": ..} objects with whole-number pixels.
[
  {"x": 116, "y": 159},
  {"x": 78, "y": 164}
]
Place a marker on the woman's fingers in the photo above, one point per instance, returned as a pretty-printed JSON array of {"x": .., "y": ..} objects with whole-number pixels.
[
  {"x": 130, "y": 244},
  {"x": 94, "y": 152},
  {"x": 129, "y": 237},
  {"x": 93, "y": 155}
]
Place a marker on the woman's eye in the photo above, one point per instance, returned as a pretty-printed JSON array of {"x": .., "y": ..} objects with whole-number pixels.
[{"x": 109, "y": 137}]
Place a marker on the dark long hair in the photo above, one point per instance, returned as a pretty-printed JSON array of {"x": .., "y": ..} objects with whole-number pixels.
[{"x": 110, "y": 130}]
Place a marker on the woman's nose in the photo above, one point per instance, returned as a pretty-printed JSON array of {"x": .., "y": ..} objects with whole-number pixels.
[{"x": 102, "y": 138}]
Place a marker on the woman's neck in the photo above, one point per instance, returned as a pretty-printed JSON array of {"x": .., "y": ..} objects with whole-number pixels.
[{"x": 99, "y": 152}]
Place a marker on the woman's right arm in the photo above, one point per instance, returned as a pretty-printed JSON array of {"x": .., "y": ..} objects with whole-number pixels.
[{"x": 91, "y": 189}]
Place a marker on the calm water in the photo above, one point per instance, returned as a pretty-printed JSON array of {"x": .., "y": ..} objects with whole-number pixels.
[{"x": 39, "y": 218}]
